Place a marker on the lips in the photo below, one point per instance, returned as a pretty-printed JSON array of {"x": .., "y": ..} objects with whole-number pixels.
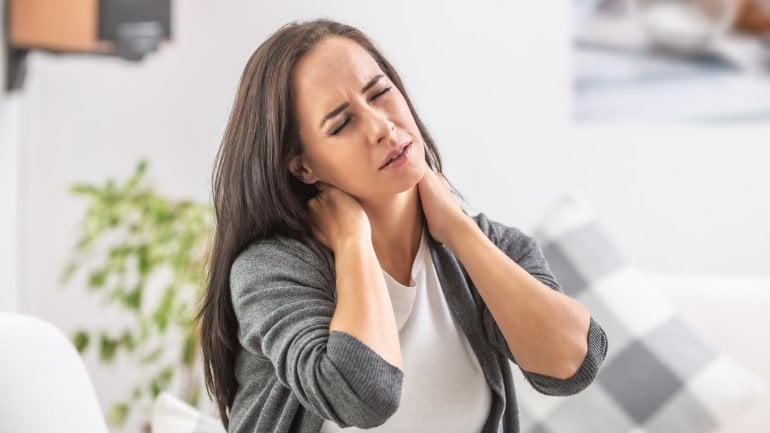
[{"x": 394, "y": 153}]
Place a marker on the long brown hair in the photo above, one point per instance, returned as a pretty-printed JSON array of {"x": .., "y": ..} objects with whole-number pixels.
[{"x": 255, "y": 196}]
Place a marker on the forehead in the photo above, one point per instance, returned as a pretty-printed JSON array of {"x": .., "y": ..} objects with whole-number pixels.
[{"x": 334, "y": 66}]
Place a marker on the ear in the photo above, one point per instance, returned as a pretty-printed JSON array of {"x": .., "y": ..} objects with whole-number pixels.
[{"x": 300, "y": 168}]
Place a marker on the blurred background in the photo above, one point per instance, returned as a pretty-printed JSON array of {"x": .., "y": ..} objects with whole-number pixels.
[
  {"x": 522, "y": 100},
  {"x": 643, "y": 61}
]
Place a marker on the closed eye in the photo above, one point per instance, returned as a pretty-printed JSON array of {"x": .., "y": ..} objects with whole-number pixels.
[
  {"x": 347, "y": 119},
  {"x": 381, "y": 92},
  {"x": 339, "y": 128}
]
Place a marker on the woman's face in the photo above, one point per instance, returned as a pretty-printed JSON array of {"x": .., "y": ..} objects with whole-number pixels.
[{"x": 352, "y": 121}]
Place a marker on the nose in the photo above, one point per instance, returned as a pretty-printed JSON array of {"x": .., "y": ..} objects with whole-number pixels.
[{"x": 379, "y": 126}]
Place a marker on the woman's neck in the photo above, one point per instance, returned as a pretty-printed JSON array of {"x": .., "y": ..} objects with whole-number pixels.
[{"x": 396, "y": 232}]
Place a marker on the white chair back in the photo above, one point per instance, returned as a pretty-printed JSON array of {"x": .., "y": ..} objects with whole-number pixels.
[{"x": 44, "y": 385}]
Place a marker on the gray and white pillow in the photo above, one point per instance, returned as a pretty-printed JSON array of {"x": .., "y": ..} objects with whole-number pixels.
[{"x": 659, "y": 376}]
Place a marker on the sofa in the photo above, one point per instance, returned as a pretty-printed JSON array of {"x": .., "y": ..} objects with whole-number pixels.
[
  {"x": 733, "y": 313},
  {"x": 686, "y": 353},
  {"x": 714, "y": 306},
  {"x": 706, "y": 336}
]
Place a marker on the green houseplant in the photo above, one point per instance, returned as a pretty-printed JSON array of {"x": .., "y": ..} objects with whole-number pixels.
[{"x": 144, "y": 255}]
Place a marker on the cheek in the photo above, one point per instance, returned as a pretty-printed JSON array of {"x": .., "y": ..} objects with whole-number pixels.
[
  {"x": 331, "y": 163},
  {"x": 342, "y": 168},
  {"x": 404, "y": 114}
]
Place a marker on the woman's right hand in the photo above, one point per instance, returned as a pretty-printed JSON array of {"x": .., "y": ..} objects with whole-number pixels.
[{"x": 336, "y": 216}]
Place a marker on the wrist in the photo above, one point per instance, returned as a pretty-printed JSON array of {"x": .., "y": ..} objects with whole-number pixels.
[
  {"x": 359, "y": 239},
  {"x": 463, "y": 230}
]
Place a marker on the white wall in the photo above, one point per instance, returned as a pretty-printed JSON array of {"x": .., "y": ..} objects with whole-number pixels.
[
  {"x": 10, "y": 112},
  {"x": 9, "y": 197},
  {"x": 492, "y": 83}
]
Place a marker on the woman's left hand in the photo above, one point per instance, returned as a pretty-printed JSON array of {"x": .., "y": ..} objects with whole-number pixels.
[{"x": 443, "y": 214}]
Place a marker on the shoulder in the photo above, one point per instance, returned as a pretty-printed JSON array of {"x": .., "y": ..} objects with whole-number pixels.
[
  {"x": 503, "y": 235},
  {"x": 281, "y": 257},
  {"x": 277, "y": 249},
  {"x": 494, "y": 228},
  {"x": 520, "y": 247}
]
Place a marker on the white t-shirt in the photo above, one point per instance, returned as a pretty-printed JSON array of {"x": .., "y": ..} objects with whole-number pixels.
[{"x": 444, "y": 388}]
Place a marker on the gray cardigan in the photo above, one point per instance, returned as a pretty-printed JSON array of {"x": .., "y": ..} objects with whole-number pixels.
[{"x": 293, "y": 373}]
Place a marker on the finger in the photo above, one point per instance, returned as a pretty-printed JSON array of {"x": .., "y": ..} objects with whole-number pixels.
[
  {"x": 314, "y": 204},
  {"x": 437, "y": 179},
  {"x": 321, "y": 186},
  {"x": 443, "y": 180}
]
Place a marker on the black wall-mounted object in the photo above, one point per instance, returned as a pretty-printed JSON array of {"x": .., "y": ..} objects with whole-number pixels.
[
  {"x": 129, "y": 29},
  {"x": 135, "y": 26}
]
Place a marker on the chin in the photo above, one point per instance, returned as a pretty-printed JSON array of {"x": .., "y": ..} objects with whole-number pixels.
[
  {"x": 411, "y": 177},
  {"x": 406, "y": 182}
]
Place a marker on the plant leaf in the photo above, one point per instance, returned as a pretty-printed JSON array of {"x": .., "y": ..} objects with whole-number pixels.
[
  {"x": 81, "y": 340},
  {"x": 107, "y": 348},
  {"x": 117, "y": 414}
]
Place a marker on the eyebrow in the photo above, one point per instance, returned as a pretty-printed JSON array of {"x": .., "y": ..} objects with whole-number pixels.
[{"x": 345, "y": 105}]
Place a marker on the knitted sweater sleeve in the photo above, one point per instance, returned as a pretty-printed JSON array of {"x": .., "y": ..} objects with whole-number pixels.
[
  {"x": 283, "y": 300},
  {"x": 525, "y": 251}
]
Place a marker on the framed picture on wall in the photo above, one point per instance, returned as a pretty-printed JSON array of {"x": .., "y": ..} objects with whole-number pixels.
[{"x": 671, "y": 60}]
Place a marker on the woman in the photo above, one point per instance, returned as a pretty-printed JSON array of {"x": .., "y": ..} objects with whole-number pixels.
[{"x": 347, "y": 288}]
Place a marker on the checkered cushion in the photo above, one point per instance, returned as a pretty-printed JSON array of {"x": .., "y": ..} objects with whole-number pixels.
[{"x": 658, "y": 375}]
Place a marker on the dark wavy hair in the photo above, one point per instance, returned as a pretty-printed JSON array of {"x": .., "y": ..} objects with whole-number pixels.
[{"x": 255, "y": 196}]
